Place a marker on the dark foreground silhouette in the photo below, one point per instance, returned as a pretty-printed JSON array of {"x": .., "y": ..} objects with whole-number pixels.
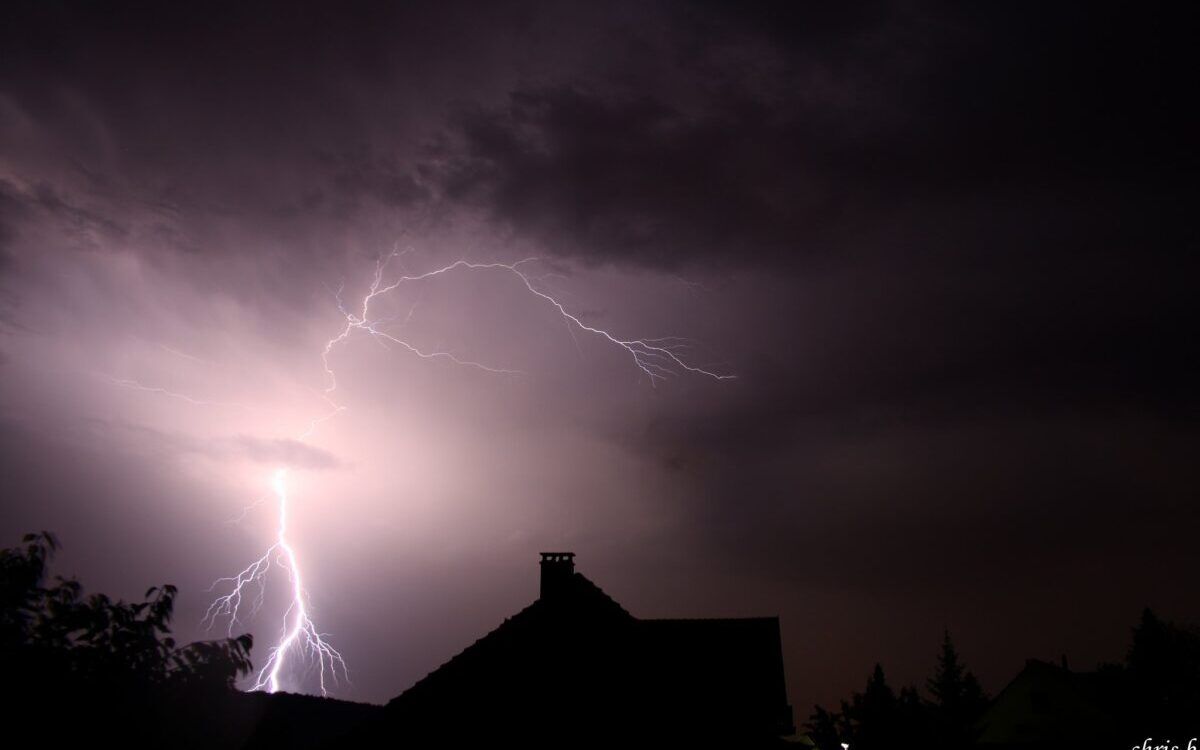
[
  {"x": 81, "y": 671},
  {"x": 573, "y": 669},
  {"x": 1152, "y": 698}
]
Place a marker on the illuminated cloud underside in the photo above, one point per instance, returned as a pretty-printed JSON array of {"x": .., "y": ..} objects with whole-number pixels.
[{"x": 657, "y": 358}]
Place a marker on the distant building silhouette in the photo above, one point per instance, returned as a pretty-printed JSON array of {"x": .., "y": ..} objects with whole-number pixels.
[
  {"x": 575, "y": 669},
  {"x": 1048, "y": 705}
]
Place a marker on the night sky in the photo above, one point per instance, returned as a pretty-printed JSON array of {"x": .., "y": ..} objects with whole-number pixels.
[{"x": 948, "y": 250}]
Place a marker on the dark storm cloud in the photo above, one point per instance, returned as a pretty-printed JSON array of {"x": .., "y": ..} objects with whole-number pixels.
[
  {"x": 356, "y": 175},
  {"x": 231, "y": 112},
  {"x": 948, "y": 249},
  {"x": 901, "y": 487},
  {"x": 999, "y": 203},
  {"x": 1011, "y": 190},
  {"x": 11, "y": 208},
  {"x": 790, "y": 132},
  {"x": 77, "y": 221}
]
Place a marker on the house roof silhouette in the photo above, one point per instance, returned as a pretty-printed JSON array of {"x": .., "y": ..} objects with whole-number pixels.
[
  {"x": 575, "y": 666},
  {"x": 1048, "y": 705}
]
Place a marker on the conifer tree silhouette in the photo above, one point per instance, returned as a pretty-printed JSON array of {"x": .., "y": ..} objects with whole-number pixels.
[{"x": 957, "y": 700}]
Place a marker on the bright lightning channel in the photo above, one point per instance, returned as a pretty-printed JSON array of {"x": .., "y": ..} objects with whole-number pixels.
[{"x": 657, "y": 358}]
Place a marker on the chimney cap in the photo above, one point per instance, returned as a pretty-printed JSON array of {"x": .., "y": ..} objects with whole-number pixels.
[{"x": 557, "y": 556}]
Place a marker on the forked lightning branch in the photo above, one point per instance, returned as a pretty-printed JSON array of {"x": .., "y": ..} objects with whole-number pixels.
[{"x": 300, "y": 644}]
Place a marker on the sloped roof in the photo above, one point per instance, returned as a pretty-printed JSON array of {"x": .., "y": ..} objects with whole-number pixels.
[
  {"x": 586, "y": 603},
  {"x": 1047, "y": 703},
  {"x": 578, "y": 661}
]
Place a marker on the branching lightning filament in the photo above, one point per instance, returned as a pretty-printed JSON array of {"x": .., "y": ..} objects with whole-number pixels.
[
  {"x": 657, "y": 358},
  {"x": 299, "y": 632}
]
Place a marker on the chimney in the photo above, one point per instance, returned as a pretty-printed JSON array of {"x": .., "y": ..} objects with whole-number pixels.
[{"x": 557, "y": 569}]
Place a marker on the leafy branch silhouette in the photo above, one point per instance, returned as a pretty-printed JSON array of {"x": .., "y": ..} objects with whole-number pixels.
[{"x": 51, "y": 633}]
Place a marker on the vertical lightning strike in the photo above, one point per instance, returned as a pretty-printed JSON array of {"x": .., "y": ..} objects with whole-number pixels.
[
  {"x": 657, "y": 358},
  {"x": 298, "y": 631},
  {"x": 302, "y": 626}
]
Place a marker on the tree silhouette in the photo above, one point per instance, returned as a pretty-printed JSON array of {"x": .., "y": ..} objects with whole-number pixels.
[
  {"x": 63, "y": 641},
  {"x": 824, "y": 728},
  {"x": 1163, "y": 673},
  {"x": 870, "y": 716},
  {"x": 878, "y": 717},
  {"x": 957, "y": 699},
  {"x": 874, "y": 718},
  {"x": 913, "y": 724},
  {"x": 1156, "y": 691}
]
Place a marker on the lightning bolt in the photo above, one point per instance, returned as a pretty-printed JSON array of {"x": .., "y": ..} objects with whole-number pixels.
[
  {"x": 657, "y": 358},
  {"x": 301, "y": 630}
]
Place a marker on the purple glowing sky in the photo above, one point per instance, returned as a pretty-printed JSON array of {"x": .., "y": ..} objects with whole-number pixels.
[{"x": 949, "y": 272}]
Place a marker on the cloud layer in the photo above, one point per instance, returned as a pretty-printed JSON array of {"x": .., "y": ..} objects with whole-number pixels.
[{"x": 948, "y": 251}]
